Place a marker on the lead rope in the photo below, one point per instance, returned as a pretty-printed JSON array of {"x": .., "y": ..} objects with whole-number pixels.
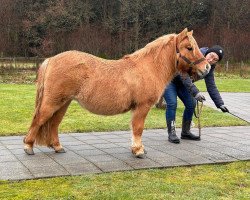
[{"x": 198, "y": 115}]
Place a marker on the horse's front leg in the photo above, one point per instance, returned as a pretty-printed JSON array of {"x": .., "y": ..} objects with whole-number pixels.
[{"x": 138, "y": 119}]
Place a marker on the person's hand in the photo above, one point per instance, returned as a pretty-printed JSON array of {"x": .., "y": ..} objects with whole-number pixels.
[
  {"x": 200, "y": 97},
  {"x": 224, "y": 108}
]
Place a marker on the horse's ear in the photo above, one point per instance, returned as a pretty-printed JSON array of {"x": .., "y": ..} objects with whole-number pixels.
[
  {"x": 182, "y": 35},
  {"x": 190, "y": 33},
  {"x": 184, "y": 32}
]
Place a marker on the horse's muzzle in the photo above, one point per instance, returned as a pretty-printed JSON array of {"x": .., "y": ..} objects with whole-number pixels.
[{"x": 202, "y": 73}]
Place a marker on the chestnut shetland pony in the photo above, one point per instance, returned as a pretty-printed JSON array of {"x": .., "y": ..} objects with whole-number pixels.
[{"x": 108, "y": 87}]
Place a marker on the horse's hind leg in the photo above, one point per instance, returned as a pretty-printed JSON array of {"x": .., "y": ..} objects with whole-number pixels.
[
  {"x": 44, "y": 114},
  {"x": 55, "y": 121},
  {"x": 138, "y": 119}
]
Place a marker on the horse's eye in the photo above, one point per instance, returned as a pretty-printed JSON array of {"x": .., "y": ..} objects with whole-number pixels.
[{"x": 190, "y": 48}]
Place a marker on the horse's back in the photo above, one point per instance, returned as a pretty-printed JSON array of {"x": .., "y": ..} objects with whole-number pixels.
[{"x": 98, "y": 84}]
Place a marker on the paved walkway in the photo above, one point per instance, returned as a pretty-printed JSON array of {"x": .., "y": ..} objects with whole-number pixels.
[
  {"x": 105, "y": 152},
  {"x": 237, "y": 103}
]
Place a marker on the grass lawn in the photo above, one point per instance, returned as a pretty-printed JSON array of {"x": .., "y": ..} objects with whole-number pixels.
[
  {"x": 227, "y": 84},
  {"x": 17, "y": 105},
  {"x": 223, "y": 181}
]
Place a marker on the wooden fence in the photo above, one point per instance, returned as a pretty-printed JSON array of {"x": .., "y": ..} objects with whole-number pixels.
[
  {"x": 241, "y": 68},
  {"x": 20, "y": 62}
]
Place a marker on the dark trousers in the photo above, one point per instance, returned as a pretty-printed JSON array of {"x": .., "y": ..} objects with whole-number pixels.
[{"x": 171, "y": 92}]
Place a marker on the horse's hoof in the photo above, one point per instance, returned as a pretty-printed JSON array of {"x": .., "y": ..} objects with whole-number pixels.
[
  {"x": 60, "y": 150},
  {"x": 140, "y": 155},
  {"x": 29, "y": 151}
]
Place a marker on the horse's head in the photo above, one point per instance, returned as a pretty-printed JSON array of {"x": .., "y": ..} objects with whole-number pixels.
[{"x": 189, "y": 57}]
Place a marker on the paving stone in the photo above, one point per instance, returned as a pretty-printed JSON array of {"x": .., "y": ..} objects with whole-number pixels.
[
  {"x": 156, "y": 142},
  {"x": 11, "y": 138},
  {"x": 49, "y": 171},
  {"x": 41, "y": 163},
  {"x": 101, "y": 158},
  {"x": 80, "y": 147},
  {"x": 82, "y": 168},
  {"x": 156, "y": 154},
  {"x": 102, "y": 133},
  {"x": 122, "y": 133},
  {"x": 4, "y": 152},
  {"x": 124, "y": 144},
  {"x": 125, "y": 157},
  {"x": 34, "y": 158},
  {"x": 212, "y": 139},
  {"x": 4, "y": 166},
  {"x": 233, "y": 152},
  {"x": 68, "y": 139},
  {"x": 17, "y": 151},
  {"x": 218, "y": 157},
  {"x": 14, "y": 146},
  {"x": 47, "y": 149},
  {"x": 72, "y": 143},
  {"x": 168, "y": 161},
  {"x": 143, "y": 163},
  {"x": 105, "y": 146},
  {"x": 14, "y": 171},
  {"x": 108, "y": 136},
  {"x": 113, "y": 166},
  {"x": 16, "y": 174},
  {"x": 164, "y": 148},
  {"x": 246, "y": 142},
  {"x": 156, "y": 138},
  {"x": 118, "y": 140},
  {"x": 85, "y": 137},
  {"x": 70, "y": 154},
  {"x": 8, "y": 158},
  {"x": 196, "y": 160},
  {"x": 117, "y": 150},
  {"x": 11, "y": 142},
  {"x": 97, "y": 141},
  {"x": 90, "y": 152},
  {"x": 234, "y": 145}
]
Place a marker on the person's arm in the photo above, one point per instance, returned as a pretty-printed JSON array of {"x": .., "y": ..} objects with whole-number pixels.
[
  {"x": 212, "y": 89},
  {"x": 187, "y": 81},
  {"x": 193, "y": 90}
]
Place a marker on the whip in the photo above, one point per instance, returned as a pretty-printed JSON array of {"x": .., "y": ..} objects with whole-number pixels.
[{"x": 239, "y": 118}]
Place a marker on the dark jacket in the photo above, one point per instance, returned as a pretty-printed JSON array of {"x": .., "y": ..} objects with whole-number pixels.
[{"x": 210, "y": 84}]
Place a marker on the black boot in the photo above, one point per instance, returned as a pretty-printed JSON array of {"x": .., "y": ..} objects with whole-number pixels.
[
  {"x": 172, "y": 137},
  {"x": 185, "y": 133}
]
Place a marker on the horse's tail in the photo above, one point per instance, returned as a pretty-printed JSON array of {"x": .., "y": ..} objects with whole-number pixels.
[
  {"x": 43, "y": 137},
  {"x": 40, "y": 85}
]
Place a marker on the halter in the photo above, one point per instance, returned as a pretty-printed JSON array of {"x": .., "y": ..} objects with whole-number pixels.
[{"x": 191, "y": 64}]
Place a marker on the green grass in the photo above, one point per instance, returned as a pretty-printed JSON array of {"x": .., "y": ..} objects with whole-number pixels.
[
  {"x": 17, "y": 106},
  {"x": 227, "y": 84},
  {"x": 224, "y": 181}
]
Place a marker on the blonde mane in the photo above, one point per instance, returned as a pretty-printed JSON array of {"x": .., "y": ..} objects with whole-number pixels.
[{"x": 153, "y": 47}]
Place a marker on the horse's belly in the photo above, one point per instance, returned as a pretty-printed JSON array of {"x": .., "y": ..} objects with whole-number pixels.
[{"x": 105, "y": 109}]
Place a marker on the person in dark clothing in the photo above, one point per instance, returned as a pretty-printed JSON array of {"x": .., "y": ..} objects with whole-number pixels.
[{"x": 183, "y": 87}]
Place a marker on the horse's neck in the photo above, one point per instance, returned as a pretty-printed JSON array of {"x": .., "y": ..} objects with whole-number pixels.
[{"x": 165, "y": 65}]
